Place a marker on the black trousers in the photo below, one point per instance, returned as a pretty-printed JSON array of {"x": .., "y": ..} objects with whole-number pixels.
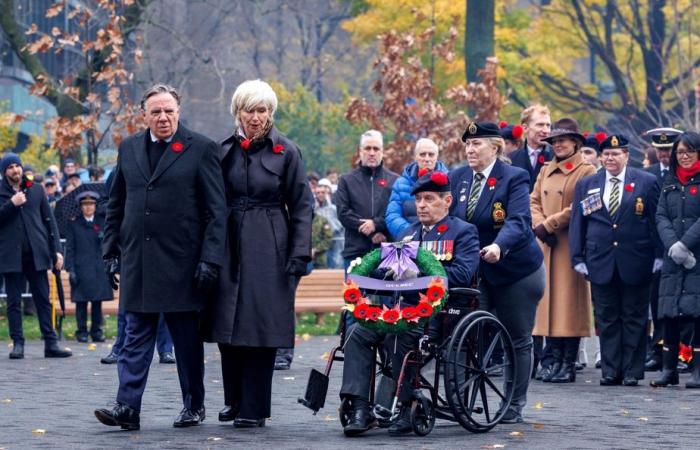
[
  {"x": 658, "y": 332},
  {"x": 621, "y": 318},
  {"x": 39, "y": 286},
  {"x": 95, "y": 319},
  {"x": 135, "y": 357},
  {"x": 247, "y": 373},
  {"x": 673, "y": 327}
]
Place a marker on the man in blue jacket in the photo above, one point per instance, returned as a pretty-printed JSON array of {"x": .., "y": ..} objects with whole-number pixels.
[{"x": 613, "y": 242}]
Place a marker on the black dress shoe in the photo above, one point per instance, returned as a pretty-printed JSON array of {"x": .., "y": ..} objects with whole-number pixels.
[
  {"x": 52, "y": 351},
  {"x": 402, "y": 424},
  {"x": 98, "y": 337},
  {"x": 543, "y": 372},
  {"x": 610, "y": 381},
  {"x": 167, "y": 358},
  {"x": 630, "y": 381},
  {"x": 228, "y": 414},
  {"x": 360, "y": 421},
  {"x": 121, "y": 415},
  {"x": 652, "y": 364},
  {"x": 82, "y": 338},
  {"x": 282, "y": 364},
  {"x": 109, "y": 359},
  {"x": 248, "y": 423},
  {"x": 17, "y": 351},
  {"x": 512, "y": 416},
  {"x": 189, "y": 417},
  {"x": 598, "y": 365}
]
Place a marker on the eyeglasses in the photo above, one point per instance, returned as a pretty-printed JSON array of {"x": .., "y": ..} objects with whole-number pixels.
[{"x": 687, "y": 153}]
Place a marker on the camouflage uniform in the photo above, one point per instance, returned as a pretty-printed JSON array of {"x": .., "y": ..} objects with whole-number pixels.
[{"x": 321, "y": 235}]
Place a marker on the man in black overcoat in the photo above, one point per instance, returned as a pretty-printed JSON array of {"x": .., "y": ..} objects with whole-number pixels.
[
  {"x": 164, "y": 236},
  {"x": 29, "y": 246}
]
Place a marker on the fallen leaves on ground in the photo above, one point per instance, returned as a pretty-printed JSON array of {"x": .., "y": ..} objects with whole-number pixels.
[
  {"x": 643, "y": 419},
  {"x": 493, "y": 446},
  {"x": 516, "y": 434},
  {"x": 539, "y": 405},
  {"x": 213, "y": 438},
  {"x": 288, "y": 378},
  {"x": 305, "y": 336},
  {"x": 537, "y": 426},
  {"x": 329, "y": 418},
  {"x": 7, "y": 400},
  {"x": 325, "y": 356},
  {"x": 624, "y": 412},
  {"x": 91, "y": 347},
  {"x": 38, "y": 431}
]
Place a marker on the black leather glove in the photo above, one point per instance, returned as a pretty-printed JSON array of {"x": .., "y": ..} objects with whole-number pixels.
[
  {"x": 112, "y": 269},
  {"x": 544, "y": 236},
  {"x": 206, "y": 276},
  {"x": 297, "y": 267}
]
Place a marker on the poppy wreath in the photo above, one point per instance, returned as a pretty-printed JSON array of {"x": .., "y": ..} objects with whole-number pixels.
[{"x": 396, "y": 319}]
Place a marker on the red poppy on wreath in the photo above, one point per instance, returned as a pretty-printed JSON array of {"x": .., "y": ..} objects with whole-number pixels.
[
  {"x": 278, "y": 149},
  {"x": 373, "y": 313},
  {"x": 442, "y": 228},
  {"x": 409, "y": 313},
  {"x": 629, "y": 187},
  {"x": 96, "y": 227},
  {"x": 423, "y": 171},
  {"x": 439, "y": 178},
  {"x": 436, "y": 290},
  {"x": 351, "y": 293},
  {"x": 361, "y": 311},
  {"x": 390, "y": 316},
  {"x": 177, "y": 147},
  {"x": 693, "y": 190},
  {"x": 245, "y": 144},
  {"x": 424, "y": 309},
  {"x": 491, "y": 182},
  {"x": 381, "y": 182},
  {"x": 540, "y": 159},
  {"x": 568, "y": 166}
]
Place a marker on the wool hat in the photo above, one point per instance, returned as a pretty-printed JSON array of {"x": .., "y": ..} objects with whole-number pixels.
[{"x": 8, "y": 160}]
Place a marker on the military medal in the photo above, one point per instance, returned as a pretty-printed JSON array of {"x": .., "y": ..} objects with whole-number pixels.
[
  {"x": 450, "y": 246},
  {"x": 462, "y": 198},
  {"x": 498, "y": 214},
  {"x": 639, "y": 206}
]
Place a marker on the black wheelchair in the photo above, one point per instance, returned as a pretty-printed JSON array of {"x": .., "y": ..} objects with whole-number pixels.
[{"x": 470, "y": 348}]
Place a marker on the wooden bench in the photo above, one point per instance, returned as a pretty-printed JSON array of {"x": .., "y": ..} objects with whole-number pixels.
[{"x": 320, "y": 292}]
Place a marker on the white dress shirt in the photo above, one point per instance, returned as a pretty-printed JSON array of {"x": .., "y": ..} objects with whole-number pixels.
[
  {"x": 609, "y": 186},
  {"x": 486, "y": 172}
]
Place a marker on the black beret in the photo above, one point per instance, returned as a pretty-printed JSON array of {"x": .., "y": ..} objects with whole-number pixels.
[
  {"x": 481, "y": 130},
  {"x": 615, "y": 141},
  {"x": 432, "y": 182}
]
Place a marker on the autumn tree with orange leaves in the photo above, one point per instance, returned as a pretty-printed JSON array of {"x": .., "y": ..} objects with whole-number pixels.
[
  {"x": 410, "y": 107},
  {"x": 93, "y": 103}
]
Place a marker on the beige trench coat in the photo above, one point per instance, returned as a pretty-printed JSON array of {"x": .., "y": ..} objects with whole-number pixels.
[{"x": 565, "y": 308}]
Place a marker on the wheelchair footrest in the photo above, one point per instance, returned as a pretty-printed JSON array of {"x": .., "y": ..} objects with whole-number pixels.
[{"x": 316, "y": 391}]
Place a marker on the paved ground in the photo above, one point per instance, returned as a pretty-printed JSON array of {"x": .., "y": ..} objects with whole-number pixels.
[{"x": 58, "y": 396}]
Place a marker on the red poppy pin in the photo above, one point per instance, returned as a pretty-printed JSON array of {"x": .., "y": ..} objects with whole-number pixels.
[
  {"x": 423, "y": 171},
  {"x": 381, "y": 182},
  {"x": 491, "y": 182},
  {"x": 442, "y": 228},
  {"x": 96, "y": 227},
  {"x": 278, "y": 149},
  {"x": 540, "y": 159},
  {"x": 693, "y": 190},
  {"x": 568, "y": 166},
  {"x": 629, "y": 187},
  {"x": 439, "y": 178},
  {"x": 29, "y": 183},
  {"x": 177, "y": 147},
  {"x": 245, "y": 144}
]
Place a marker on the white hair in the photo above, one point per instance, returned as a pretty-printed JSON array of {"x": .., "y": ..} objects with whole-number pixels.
[
  {"x": 372, "y": 134},
  {"x": 425, "y": 142},
  {"x": 250, "y": 94}
]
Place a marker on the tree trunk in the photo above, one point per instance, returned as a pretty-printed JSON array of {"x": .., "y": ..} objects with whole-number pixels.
[{"x": 478, "y": 36}]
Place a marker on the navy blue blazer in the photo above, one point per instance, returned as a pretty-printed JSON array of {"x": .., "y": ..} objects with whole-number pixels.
[
  {"x": 465, "y": 256},
  {"x": 521, "y": 158},
  {"x": 628, "y": 243},
  {"x": 502, "y": 216}
]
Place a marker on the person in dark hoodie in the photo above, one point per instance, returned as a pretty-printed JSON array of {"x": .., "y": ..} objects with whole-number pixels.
[
  {"x": 362, "y": 198},
  {"x": 401, "y": 210}
]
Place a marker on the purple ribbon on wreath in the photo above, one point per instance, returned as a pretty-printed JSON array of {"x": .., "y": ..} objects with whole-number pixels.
[{"x": 399, "y": 256}]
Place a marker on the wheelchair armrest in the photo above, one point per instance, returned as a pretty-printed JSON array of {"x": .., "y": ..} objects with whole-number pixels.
[{"x": 469, "y": 292}]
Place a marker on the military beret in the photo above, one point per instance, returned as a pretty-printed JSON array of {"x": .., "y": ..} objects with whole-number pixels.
[
  {"x": 87, "y": 196},
  {"x": 594, "y": 140},
  {"x": 615, "y": 141},
  {"x": 432, "y": 182},
  {"x": 511, "y": 132},
  {"x": 481, "y": 130}
]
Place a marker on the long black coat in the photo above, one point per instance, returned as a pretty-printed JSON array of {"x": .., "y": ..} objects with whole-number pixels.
[
  {"x": 678, "y": 219},
  {"x": 269, "y": 222},
  {"x": 42, "y": 231},
  {"x": 84, "y": 259},
  {"x": 163, "y": 224}
]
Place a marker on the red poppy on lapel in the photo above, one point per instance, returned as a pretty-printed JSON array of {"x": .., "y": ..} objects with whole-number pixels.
[
  {"x": 177, "y": 147},
  {"x": 245, "y": 144},
  {"x": 423, "y": 171},
  {"x": 278, "y": 149},
  {"x": 540, "y": 159},
  {"x": 693, "y": 190},
  {"x": 96, "y": 227},
  {"x": 629, "y": 187},
  {"x": 439, "y": 178},
  {"x": 29, "y": 183},
  {"x": 568, "y": 166},
  {"x": 381, "y": 182},
  {"x": 491, "y": 182},
  {"x": 442, "y": 228}
]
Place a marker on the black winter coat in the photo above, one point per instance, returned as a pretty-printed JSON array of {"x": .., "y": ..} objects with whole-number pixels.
[
  {"x": 269, "y": 222},
  {"x": 678, "y": 218},
  {"x": 84, "y": 259},
  {"x": 163, "y": 224},
  {"x": 42, "y": 231},
  {"x": 363, "y": 194}
]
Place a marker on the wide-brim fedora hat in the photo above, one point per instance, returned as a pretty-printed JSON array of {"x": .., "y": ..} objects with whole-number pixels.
[{"x": 566, "y": 127}]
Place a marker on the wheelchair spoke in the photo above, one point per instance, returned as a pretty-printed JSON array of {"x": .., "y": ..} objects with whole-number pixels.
[
  {"x": 492, "y": 346},
  {"x": 472, "y": 368},
  {"x": 496, "y": 390},
  {"x": 482, "y": 388},
  {"x": 480, "y": 343},
  {"x": 496, "y": 367},
  {"x": 472, "y": 398}
]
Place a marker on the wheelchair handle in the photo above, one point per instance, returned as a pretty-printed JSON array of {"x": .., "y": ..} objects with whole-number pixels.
[{"x": 469, "y": 292}]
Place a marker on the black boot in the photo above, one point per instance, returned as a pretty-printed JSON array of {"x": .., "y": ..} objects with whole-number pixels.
[
  {"x": 557, "y": 357},
  {"x": 669, "y": 375},
  {"x": 17, "y": 350},
  {"x": 653, "y": 360},
  {"x": 361, "y": 419},
  {"x": 402, "y": 424},
  {"x": 51, "y": 350},
  {"x": 694, "y": 382},
  {"x": 567, "y": 372}
]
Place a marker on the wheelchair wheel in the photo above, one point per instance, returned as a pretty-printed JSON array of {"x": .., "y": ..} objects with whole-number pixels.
[
  {"x": 478, "y": 401},
  {"x": 422, "y": 416},
  {"x": 344, "y": 412}
]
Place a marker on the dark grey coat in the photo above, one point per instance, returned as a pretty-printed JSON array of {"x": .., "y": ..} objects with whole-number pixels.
[
  {"x": 163, "y": 224},
  {"x": 84, "y": 259},
  {"x": 42, "y": 231},
  {"x": 269, "y": 222},
  {"x": 678, "y": 218}
]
